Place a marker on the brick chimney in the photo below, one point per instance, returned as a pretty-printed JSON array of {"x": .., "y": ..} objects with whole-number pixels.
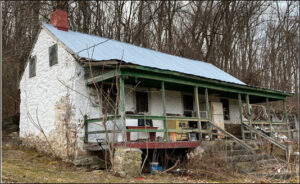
[{"x": 59, "y": 19}]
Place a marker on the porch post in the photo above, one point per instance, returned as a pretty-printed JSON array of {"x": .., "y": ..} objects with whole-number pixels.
[
  {"x": 269, "y": 118},
  {"x": 286, "y": 119},
  {"x": 122, "y": 108},
  {"x": 208, "y": 112},
  {"x": 163, "y": 95},
  {"x": 248, "y": 114},
  {"x": 241, "y": 116},
  {"x": 196, "y": 98}
]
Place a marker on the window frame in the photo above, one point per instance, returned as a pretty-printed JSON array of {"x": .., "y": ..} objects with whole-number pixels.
[
  {"x": 136, "y": 102},
  {"x": 185, "y": 110},
  {"x": 32, "y": 67},
  {"x": 53, "y": 60}
]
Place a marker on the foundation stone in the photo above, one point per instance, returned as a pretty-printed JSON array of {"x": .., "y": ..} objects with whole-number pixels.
[{"x": 127, "y": 162}]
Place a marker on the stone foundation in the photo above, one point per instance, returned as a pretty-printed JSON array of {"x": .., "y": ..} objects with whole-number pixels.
[{"x": 127, "y": 162}]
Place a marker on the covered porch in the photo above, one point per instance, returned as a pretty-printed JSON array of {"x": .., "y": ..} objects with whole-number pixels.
[{"x": 198, "y": 121}]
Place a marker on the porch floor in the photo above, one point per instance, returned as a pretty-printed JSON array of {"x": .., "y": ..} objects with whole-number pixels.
[{"x": 148, "y": 145}]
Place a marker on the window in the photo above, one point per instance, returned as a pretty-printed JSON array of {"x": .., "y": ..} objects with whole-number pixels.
[
  {"x": 109, "y": 100},
  {"x": 141, "y": 101},
  {"x": 32, "y": 66},
  {"x": 53, "y": 55},
  {"x": 226, "y": 113},
  {"x": 188, "y": 105}
]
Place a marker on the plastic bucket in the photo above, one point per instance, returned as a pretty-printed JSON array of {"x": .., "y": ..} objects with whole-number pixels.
[{"x": 154, "y": 168}]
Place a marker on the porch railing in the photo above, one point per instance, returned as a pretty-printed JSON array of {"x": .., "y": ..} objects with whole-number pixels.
[
  {"x": 235, "y": 139},
  {"x": 270, "y": 139},
  {"x": 207, "y": 131}
]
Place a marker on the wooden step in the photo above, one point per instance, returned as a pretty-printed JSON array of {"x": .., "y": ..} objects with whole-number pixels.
[
  {"x": 241, "y": 152},
  {"x": 247, "y": 158},
  {"x": 267, "y": 162}
]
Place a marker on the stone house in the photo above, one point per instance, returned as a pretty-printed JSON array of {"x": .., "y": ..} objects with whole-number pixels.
[{"x": 163, "y": 101}]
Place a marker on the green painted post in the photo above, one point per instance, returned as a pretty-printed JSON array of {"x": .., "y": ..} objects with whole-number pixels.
[
  {"x": 163, "y": 95},
  {"x": 248, "y": 114},
  {"x": 196, "y": 98},
  {"x": 122, "y": 108},
  {"x": 286, "y": 119},
  {"x": 86, "y": 129},
  {"x": 269, "y": 118},
  {"x": 241, "y": 115},
  {"x": 208, "y": 112}
]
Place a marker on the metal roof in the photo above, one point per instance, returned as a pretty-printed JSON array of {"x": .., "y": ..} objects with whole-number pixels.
[{"x": 98, "y": 48}]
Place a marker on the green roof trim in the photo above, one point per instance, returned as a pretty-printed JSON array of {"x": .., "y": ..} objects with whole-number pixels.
[{"x": 180, "y": 78}]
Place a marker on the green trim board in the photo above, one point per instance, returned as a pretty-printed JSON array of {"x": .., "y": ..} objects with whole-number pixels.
[
  {"x": 176, "y": 77},
  {"x": 146, "y": 117},
  {"x": 207, "y": 106},
  {"x": 196, "y": 99},
  {"x": 122, "y": 106},
  {"x": 149, "y": 130},
  {"x": 112, "y": 117},
  {"x": 286, "y": 119},
  {"x": 103, "y": 77},
  {"x": 163, "y": 95},
  {"x": 249, "y": 114},
  {"x": 201, "y": 83},
  {"x": 241, "y": 115}
]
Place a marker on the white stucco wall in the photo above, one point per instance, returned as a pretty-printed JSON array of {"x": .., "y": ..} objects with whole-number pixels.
[{"x": 41, "y": 93}]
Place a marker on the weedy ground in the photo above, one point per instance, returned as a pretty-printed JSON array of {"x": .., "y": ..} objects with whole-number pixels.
[{"x": 27, "y": 165}]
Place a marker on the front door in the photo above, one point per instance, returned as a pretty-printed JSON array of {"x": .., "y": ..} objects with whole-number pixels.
[{"x": 217, "y": 115}]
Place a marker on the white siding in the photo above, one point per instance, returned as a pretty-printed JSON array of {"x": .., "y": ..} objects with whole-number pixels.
[{"x": 40, "y": 94}]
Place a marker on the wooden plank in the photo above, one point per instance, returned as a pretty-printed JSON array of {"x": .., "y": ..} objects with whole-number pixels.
[
  {"x": 103, "y": 77},
  {"x": 248, "y": 114},
  {"x": 184, "y": 118},
  {"x": 162, "y": 117},
  {"x": 208, "y": 112},
  {"x": 145, "y": 117},
  {"x": 103, "y": 131},
  {"x": 263, "y": 135},
  {"x": 267, "y": 123},
  {"x": 196, "y": 99},
  {"x": 184, "y": 130},
  {"x": 146, "y": 130},
  {"x": 241, "y": 115},
  {"x": 286, "y": 119},
  {"x": 235, "y": 139},
  {"x": 163, "y": 96},
  {"x": 122, "y": 107},
  {"x": 268, "y": 114},
  {"x": 110, "y": 117}
]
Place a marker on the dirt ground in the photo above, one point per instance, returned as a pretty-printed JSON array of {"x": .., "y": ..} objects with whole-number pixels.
[{"x": 23, "y": 165}]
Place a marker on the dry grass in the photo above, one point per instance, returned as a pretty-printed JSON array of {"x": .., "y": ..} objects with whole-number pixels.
[
  {"x": 23, "y": 165},
  {"x": 212, "y": 167}
]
